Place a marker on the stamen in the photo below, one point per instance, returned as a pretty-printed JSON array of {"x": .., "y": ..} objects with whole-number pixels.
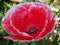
[{"x": 32, "y": 30}]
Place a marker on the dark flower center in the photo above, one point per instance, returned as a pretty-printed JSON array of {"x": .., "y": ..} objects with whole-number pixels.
[{"x": 32, "y": 30}]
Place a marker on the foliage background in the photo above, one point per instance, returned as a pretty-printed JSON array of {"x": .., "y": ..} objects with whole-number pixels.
[{"x": 51, "y": 39}]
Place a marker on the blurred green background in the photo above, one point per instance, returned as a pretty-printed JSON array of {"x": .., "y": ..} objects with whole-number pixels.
[{"x": 51, "y": 39}]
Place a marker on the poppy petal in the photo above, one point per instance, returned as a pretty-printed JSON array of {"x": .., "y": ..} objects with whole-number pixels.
[
  {"x": 6, "y": 24},
  {"x": 47, "y": 30},
  {"x": 22, "y": 19},
  {"x": 47, "y": 8},
  {"x": 20, "y": 38}
]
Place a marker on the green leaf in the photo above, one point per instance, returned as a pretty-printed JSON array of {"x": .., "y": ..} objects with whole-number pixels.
[{"x": 50, "y": 1}]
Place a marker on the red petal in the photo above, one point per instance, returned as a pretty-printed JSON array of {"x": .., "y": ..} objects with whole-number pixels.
[
  {"x": 20, "y": 38},
  {"x": 22, "y": 19},
  {"x": 19, "y": 18},
  {"x": 26, "y": 6},
  {"x": 48, "y": 10},
  {"x": 50, "y": 16},
  {"x": 6, "y": 24},
  {"x": 48, "y": 29},
  {"x": 38, "y": 19},
  {"x": 39, "y": 16}
]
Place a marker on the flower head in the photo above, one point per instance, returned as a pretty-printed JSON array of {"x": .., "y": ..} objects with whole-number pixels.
[{"x": 28, "y": 22}]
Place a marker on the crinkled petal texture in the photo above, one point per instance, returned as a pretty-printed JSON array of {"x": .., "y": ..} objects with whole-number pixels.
[{"x": 28, "y": 22}]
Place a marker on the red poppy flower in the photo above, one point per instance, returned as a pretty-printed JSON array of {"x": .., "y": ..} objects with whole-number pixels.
[{"x": 28, "y": 22}]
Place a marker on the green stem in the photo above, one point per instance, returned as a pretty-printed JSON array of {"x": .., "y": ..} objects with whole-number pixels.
[
  {"x": 7, "y": 42},
  {"x": 15, "y": 43},
  {"x": 33, "y": 43},
  {"x": 26, "y": 43},
  {"x": 21, "y": 43}
]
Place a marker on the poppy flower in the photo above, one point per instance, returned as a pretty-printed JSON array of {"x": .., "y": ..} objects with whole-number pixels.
[{"x": 28, "y": 22}]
